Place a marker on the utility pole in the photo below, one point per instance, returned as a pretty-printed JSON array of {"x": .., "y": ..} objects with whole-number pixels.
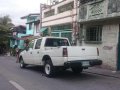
[{"x": 41, "y": 5}]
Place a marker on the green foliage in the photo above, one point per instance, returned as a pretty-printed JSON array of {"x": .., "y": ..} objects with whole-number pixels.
[{"x": 5, "y": 25}]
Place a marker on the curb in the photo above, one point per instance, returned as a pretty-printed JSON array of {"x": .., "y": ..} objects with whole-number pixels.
[{"x": 101, "y": 74}]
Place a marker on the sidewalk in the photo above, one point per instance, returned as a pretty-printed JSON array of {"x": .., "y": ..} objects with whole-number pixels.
[{"x": 104, "y": 72}]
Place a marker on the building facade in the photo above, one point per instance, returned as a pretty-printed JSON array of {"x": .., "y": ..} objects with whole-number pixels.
[
  {"x": 99, "y": 22},
  {"x": 60, "y": 19},
  {"x": 32, "y": 24},
  {"x": 22, "y": 33},
  {"x": 17, "y": 33}
]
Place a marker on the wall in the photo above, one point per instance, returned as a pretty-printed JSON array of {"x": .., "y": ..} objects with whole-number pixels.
[
  {"x": 29, "y": 32},
  {"x": 21, "y": 42},
  {"x": 59, "y": 18},
  {"x": 108, "y": 48},
  {"x": 32, "y": 20},
  {"x": 35, "y": 30},
  {"x": 62, "y": 18},
  {"x": 99, "y": 9}
]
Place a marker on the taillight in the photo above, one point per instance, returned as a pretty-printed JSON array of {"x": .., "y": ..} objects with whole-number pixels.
[
  {"x": 65, "y": 53},
  {"x": 97, "y": 51}
]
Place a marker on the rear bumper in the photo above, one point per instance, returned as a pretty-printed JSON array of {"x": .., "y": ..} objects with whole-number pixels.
[{"x": 83, "y": 63}]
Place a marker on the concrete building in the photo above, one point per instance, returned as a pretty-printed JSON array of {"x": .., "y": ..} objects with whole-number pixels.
[
  {"x": 99, "y": 22},
  {"x": 60, "y": 19}
]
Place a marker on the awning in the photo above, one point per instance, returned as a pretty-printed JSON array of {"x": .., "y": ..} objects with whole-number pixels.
[{"x": 43, "y": 29}]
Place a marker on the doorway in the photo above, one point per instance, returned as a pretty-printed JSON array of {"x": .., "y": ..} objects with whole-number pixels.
[{"x": 118, "y": 61}]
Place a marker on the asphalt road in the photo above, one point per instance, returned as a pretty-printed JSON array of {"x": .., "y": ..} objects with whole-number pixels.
[{"x": 32, "y": 78}]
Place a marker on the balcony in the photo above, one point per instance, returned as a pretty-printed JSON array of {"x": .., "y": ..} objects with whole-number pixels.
[
  {"x": 65, "y": 17},
  {"x": 99, "y": 10}
]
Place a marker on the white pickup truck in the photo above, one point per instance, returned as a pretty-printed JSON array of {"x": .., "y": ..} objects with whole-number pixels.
[{"x": 56, "y": 53}]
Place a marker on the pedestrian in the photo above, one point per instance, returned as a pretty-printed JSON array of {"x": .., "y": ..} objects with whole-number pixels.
[
  {"x": 27, "y": 44},
  {"x": 17, "y": 50}
]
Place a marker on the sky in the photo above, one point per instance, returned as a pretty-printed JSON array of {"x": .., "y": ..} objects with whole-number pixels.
[{"x": 18, "y": 8}]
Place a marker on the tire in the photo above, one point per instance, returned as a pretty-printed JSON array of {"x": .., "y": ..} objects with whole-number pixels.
[
  {"x": 49, "y": 68},
  {"x": 77, "y": 70},
  {"x": 22, "y": 64}
]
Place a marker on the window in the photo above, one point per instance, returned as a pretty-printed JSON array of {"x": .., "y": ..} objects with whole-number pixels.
[
  {"x": 85, "y": 1},
  {"x": 30, "y": 26},
  {"x": 53, "y": 42},
  {"x": 49, "y": 13},
  {"x": 66, "y": 7},
  {"x": 94, "y": 34},
  {"x": 38, "y": 43},
  {"x": 62, "y": 27},
  {"x": 31, "y": 44}
]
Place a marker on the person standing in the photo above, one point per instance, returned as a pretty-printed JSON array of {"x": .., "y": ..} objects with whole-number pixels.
[{"x": 17, "y": 53}]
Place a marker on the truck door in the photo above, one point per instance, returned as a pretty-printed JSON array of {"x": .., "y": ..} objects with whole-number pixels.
[
  {"x": 37, "y": 52},
  {"x": 28, "y": 53}
]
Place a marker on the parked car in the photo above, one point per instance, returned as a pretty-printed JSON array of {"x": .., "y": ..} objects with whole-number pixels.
[{"x": 55, "y": 53}]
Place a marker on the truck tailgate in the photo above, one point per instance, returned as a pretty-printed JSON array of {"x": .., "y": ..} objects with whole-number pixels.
[{"x": 81, "y": 53}]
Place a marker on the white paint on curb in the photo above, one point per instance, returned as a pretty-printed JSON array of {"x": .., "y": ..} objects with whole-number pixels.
[{"x": 16, "y": 85}]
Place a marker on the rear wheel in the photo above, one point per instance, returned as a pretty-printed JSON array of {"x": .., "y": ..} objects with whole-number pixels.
[
  {"x": 22, "y": 64},
  {"x": 77, "y": 70},
  {"x": 49, "y": 68}
]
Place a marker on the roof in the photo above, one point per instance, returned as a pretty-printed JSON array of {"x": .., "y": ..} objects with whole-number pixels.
[
  {"x": 19, "y": 29},
  {"x": 32, "y": 14},
  {"x": 55, "y": 37}
]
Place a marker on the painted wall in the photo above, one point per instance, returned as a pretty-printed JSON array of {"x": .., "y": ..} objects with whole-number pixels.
[
  {"x": 59, "y": 18},
  {"x": 99, "y": 9},
  {"x": 28, "y": 31},
  {"x": 21, "y": 42},
  {"x": 106, "y": 13},
  {"x": 108, "y": 47},
  {"x": 13, "y": 43},
  {"x": 33, "y": 29}
]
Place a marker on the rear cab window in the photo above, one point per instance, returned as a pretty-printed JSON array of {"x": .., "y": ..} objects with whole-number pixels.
[{"x": 55, "y": 42}]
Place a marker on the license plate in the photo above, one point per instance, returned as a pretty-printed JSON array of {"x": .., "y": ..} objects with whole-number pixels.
[{"x": 85, "y": 63}]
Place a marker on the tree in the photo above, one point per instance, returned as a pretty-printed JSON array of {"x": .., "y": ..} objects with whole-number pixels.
[{"x": 5, "y": 25}]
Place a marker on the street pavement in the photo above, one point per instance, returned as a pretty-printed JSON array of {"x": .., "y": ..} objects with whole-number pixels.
[
  {"x": 5, "y": 85},
  {"x": 32, "y": 78}
]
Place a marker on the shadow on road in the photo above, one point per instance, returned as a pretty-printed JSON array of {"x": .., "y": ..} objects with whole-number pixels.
[{"x": 65, "y": 75}]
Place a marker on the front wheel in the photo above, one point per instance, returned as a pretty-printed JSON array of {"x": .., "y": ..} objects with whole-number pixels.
[
  {"x": 77, "y": 70},
  {"x": 22, "y": 64},
  {"x": 49, "y": 68}
]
